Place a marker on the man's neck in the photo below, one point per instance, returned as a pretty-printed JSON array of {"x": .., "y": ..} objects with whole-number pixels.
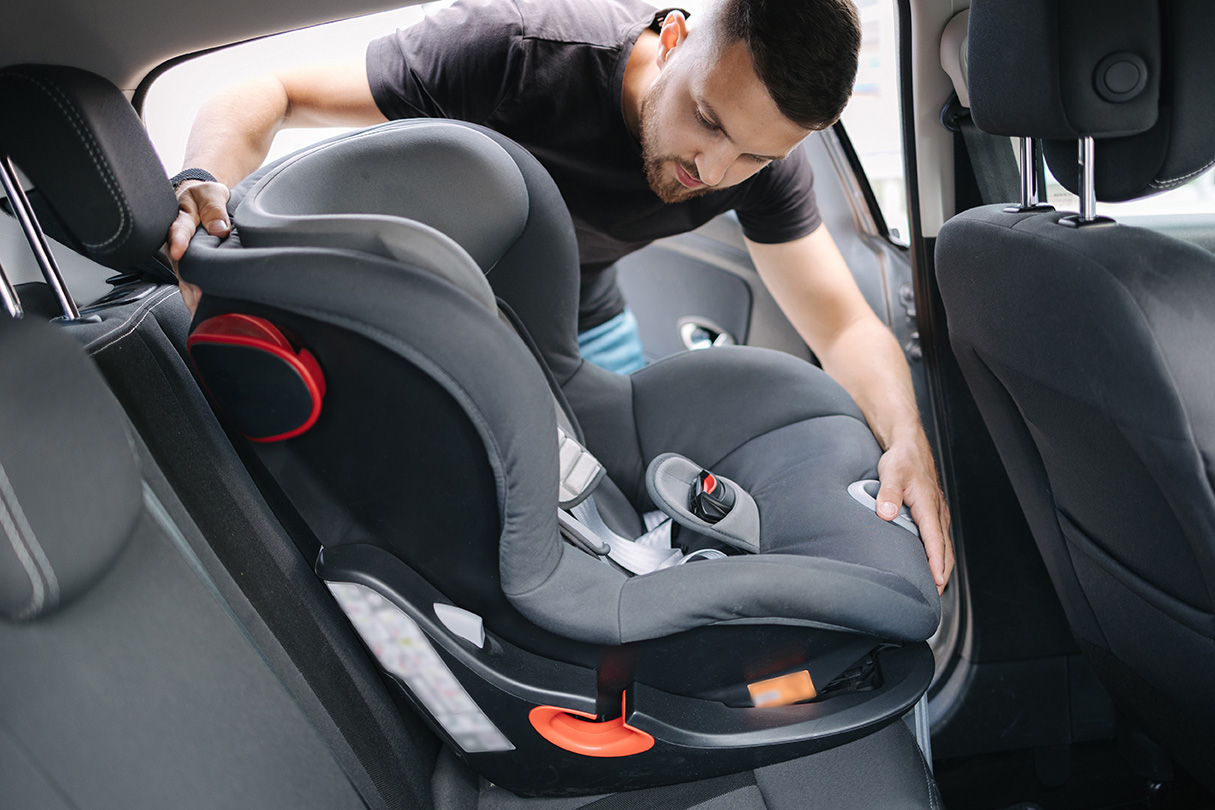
[{"x": 639, "y": 74}]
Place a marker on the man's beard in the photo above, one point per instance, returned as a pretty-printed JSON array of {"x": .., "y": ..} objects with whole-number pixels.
[{"x": 662, "y": 182}]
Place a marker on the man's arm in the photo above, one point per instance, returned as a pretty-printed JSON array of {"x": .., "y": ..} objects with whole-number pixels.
[
  {"x": 234, "y": 129},
  {"x": 810, "y": 280}
]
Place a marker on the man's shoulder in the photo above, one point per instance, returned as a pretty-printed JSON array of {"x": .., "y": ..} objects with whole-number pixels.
[{"x": 600, "y": 23}]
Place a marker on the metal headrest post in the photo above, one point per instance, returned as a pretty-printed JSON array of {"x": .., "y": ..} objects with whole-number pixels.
[
  {"x": 1088, "y": 188},
  {"x": 8, "y": 295},
  {"x": 1029, "y": 175},
  {"x": 37, "y": 239},
  {"x": 1088, "y": 181},
  {"x": 1031, "y": 193}
]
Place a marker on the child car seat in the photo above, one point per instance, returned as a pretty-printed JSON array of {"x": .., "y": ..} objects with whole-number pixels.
[{"x": 416, "y": 425}]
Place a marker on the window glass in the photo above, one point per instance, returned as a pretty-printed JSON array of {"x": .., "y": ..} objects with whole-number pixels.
[
  {"x": 872, "y": 117},
  {"x": 175, "y": 97},
  {"x": 1195, "y": 197}
]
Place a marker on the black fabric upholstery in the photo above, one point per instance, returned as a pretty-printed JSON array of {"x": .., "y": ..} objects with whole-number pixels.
[
  {"x": 1081, "y": 348},
  {"x": 1084, "y": 348},
  {"x": 69, "y": 483},
  {"x": 1032, "y": 66},
  {"x": 1034, "y": 70},
  {"x": 1177, "y": 148},
  {"x": 83, "y": 146}
]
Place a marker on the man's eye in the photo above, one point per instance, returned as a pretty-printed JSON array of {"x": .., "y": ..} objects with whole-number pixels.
[{"x": 706, "y": 123}]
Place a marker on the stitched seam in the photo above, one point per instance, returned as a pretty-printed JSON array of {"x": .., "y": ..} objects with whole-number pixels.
[
  {"x": 1183, "y": 178},
  {"x": 99, "y": 162},
  {"x": 36, "y": 597},
  {"x": 28, "y": 551},
  {"x": 23, "y": 524},
  {"x": 126, "y": 325}
]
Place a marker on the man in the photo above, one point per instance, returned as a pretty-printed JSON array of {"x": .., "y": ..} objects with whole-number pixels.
[{"x": 650, "y": 125}]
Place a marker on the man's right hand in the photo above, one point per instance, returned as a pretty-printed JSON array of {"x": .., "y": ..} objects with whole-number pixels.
[{"x": 198, "y": 203}]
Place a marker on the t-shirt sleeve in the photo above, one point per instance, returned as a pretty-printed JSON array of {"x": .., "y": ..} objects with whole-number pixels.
[
  {"x": 780, "y": 204},
  {"x": 459, "y": 63}
]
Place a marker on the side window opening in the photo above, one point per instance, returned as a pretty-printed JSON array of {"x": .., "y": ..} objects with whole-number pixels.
[
  {"x": 872, "y": 116},
  {"x": 175, "y": 97}
]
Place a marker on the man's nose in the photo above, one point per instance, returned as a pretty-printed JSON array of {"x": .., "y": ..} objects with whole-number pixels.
[{"x": 713, "y": 163}]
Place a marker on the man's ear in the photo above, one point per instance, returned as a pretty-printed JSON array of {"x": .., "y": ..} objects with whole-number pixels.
[{"x": 672, "y": 34}]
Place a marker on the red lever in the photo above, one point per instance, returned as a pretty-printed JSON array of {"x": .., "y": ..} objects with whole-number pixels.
[{"x": 566, "y": 729}]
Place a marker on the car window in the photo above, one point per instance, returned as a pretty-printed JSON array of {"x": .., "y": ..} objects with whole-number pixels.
[
  {"x": 872, "y": 117},
  {"x": 172, "y": 101},
  {"x": 176, "y": 95},
  {"x": 1195, "y": 197}
]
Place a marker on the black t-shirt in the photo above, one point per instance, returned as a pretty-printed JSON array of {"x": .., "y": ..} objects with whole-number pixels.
[{"x": 549, "y": 75}]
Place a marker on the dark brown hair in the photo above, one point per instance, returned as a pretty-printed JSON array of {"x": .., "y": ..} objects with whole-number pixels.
[{"x": 804, "y": 51}]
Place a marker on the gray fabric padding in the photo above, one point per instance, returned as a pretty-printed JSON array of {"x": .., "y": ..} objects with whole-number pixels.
[
  {"x": 451, "y": 179},
  {"x": 669, "y": 480},
  {"x": 580, "y": 599},
  {"x": 766, "y": 390},
  {"x": 804, "y": 590},
  {"x": 411, "y": 312},
  {"x": 505, "y": 396},
  {"x": 25, "y": 785},
  {"x": 145, "y": 693},
  {"x": 508, "y": 391},
  {"x": 69, "y": 482}
]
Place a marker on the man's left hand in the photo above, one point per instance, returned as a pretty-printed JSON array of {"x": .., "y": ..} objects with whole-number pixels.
[{"x": 908, "y": 476}]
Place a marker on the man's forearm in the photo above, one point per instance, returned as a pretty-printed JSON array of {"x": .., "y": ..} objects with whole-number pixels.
[
  {"x": 233, "y": 131},
  {"x": 867, "y": 360}
]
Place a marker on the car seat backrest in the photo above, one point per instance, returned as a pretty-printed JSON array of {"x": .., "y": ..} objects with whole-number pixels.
[
  {"x": 69, "y": 484},
  {"x": 1082, "y": 338},
  {"x": 128, "y": 678}
]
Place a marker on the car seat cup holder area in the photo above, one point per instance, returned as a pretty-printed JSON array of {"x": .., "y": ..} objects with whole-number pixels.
[{"x": 269, "y": 390}]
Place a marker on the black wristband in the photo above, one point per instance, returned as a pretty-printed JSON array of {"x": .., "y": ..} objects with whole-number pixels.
[{"x": 191, "y": 174}]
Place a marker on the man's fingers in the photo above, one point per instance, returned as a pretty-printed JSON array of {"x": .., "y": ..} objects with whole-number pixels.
[
  {"x": 180, "y": 233},
  {"x": 889, "y": 500},
  {"x": 214, "y": 217}
]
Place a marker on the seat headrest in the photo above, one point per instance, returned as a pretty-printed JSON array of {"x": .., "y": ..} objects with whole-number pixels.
[
  {"x": 70, "y": 490},
  {"x": 1133, "y": 75},
  {"x": 80, "y": 142}
]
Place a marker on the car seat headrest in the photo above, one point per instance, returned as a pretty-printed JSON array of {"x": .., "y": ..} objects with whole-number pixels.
[
  {"x": 80, "y": 142},
  {"x": 62, "y": 521},
  {"x": 1131, "y": 75}
]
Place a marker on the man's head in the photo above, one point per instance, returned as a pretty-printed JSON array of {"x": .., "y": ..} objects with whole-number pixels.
[{"x": 745, "y": 88}]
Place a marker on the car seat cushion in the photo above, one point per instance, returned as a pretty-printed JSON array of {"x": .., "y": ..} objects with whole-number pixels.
[{"x": 63, "y": 521}]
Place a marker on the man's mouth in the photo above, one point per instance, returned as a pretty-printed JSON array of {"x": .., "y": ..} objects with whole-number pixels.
[{"x": 686, "y": 179}]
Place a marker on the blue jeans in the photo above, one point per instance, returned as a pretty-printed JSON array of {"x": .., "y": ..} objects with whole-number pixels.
[{"x": 614, "y": 345}]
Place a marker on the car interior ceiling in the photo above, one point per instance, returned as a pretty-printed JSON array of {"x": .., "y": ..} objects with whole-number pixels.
[{"x": 181, "y": 614}]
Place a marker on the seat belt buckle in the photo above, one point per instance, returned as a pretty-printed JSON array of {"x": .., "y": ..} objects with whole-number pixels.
[{"x": 711, "y": 498}]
